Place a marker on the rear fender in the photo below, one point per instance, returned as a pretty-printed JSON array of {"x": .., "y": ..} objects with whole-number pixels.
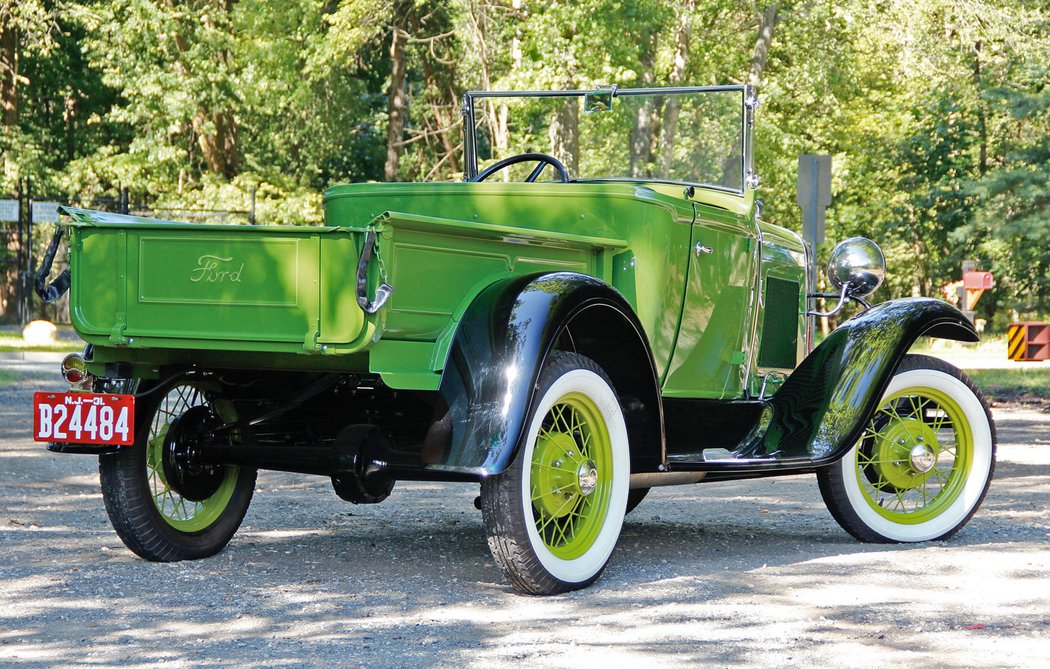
[
  {"x": 821, "y": 410},
  {"x": 501, "y": 346}
]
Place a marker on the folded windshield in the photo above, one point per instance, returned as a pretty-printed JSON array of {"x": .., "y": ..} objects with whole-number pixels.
[{"x": 687, "y": 135}]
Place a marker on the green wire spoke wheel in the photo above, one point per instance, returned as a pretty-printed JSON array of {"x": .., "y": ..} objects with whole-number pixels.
[
  {"x": 163, "y": 508},
  {"x": 553, "y": 518},
  {"x": 924, "y": 462}
]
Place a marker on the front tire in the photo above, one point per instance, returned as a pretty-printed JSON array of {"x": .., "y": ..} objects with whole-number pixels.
[
  {"x": 553, "y": 518},
  {"x": 156, "y": 517},
  {"x": 922, "y": 465}
]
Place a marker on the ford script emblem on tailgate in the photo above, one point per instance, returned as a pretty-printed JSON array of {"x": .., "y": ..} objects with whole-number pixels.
[{"x": 213, "y": 269}]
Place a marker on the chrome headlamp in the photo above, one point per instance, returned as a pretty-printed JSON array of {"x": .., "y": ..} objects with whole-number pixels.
[
  {"x": 857, "y": 266},
  {"x": 856, "y": 269}
]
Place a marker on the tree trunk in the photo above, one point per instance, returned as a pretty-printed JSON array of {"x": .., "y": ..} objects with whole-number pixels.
[
  {"x": 69, "y": 117},
  {"x": 216, "y": 129},
  {"x": 217, "y": 139},
  {"x": 9, "y": 273},
  {"x": 564, "y": 133},
  {"x": 762, "y": 45},
  {"x": 397, "y": 103},
  {"x": 9, "y": 74},
  {"x": 444, "y": 110},
  {"x": 479, "y": 23},
  {"x": 441, "y": 80},
  {"x": 495, "y": 116},
  {"x": 678, "y": 70},
  {"x": 642, "y": 128},
  {"x": 982, "y": 120}
]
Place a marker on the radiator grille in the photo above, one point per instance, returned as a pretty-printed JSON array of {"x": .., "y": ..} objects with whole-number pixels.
[{"x": 779, "y": 343}]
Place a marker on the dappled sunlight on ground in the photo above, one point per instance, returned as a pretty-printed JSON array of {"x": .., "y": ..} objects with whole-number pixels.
[{"x": 751, "y": 573}]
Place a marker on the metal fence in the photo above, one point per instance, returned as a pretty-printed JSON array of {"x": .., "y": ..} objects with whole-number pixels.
[{"x": 27, "y": 223}]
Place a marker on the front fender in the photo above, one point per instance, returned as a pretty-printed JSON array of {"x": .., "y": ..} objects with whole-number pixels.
[
  {"x": 499, "y": 350},
  {"x": 823, "y": 407}
]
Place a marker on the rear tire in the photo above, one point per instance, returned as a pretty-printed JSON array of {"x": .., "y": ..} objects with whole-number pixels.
[
  {"x": 923, "y": 464},
  {"x": 553, "y": 518},
  {"x": 149, "y": 515}
]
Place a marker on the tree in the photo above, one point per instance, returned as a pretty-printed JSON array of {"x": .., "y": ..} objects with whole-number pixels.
[
  {"x": 25, "y": 30},
  {"x": 174, "y": 63},
  {"x": 929, "y": 109},
  {"x": 1011, "y": 230},
  {"x": 419, "y": 40}
]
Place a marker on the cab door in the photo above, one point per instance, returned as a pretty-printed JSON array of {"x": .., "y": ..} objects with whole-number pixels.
[{"x": 711, "y": 349}]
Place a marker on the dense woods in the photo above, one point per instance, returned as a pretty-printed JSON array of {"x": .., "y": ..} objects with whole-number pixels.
[{"x": 935, "y": 111}]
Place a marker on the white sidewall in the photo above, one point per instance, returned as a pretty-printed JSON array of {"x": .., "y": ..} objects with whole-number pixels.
[
  {"x": 980, "y": 468},
  {"x": 590, "y": 563}
]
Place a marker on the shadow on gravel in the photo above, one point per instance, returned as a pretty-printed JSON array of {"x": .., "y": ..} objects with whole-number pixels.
[
  {"x": 749, "y": 573},
  {"x": 394, "y": 589}
]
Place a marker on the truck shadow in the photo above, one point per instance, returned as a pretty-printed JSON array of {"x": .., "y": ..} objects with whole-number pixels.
[{"x": 702, "y": 574}]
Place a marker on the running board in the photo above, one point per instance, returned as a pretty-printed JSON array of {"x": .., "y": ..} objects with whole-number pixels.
[{"x": 697, "y": 463}]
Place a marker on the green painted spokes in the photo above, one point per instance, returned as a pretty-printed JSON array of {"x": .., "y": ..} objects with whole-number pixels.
[
  {"x": 571, "y": 476},
  {"x": 181, "y": 513},
  {"x": 915, "y": 455}
]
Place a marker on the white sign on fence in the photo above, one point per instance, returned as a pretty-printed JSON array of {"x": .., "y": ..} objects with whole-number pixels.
[
  {"x": 45, "y": 212},
  {"x": 8, "y": 211}
]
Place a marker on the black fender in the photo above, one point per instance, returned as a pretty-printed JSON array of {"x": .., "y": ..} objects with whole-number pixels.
[
  {"x": 500, "y": 347},
  {"x": 823, "y": 407}
]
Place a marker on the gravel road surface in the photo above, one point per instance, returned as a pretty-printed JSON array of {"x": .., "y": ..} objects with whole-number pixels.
[{"x": 752, "y": 573}]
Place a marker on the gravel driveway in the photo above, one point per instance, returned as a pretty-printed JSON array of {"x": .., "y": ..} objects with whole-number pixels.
[{"x": 753, "y": 573}]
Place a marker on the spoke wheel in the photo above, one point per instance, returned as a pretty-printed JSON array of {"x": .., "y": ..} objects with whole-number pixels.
[
  {"x": 189, "y": 499},
  {"x": 162, "y": 505},
  {"x": 571, "y": 478},
  {"x": 553, "y": 518},
  {"x": 924, "y": 462}
]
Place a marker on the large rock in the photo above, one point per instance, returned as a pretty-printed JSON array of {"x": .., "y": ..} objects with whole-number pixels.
[{"x": 40, "y": 333}]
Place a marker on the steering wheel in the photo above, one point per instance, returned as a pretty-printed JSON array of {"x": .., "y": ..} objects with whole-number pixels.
[{"x": 542, "y": 158}]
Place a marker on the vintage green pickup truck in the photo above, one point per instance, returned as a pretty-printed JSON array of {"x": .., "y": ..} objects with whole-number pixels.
[{"x": 567, "y": 343}]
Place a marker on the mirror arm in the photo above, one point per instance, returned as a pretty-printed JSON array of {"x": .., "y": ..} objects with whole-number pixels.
[
  {"x": 843, "y": 298},
  {"x": 838, "y": 307},
  {"x": 864, "y": 303}
]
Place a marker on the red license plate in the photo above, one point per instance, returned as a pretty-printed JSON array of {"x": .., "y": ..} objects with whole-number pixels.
[{"x": 84, "y": 418}]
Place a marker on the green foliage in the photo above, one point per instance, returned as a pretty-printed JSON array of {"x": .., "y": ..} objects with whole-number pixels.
[
  {"x": 935, "y": 112},
  {"x": 1012, "y": 227},
  {"x": 1003, "y": 385}
]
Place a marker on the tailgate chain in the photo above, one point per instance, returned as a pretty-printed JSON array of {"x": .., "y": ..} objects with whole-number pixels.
[{"x": 384, "y": 290}]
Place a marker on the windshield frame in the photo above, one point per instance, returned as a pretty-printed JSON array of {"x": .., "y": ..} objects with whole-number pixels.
[{"x": 748, "y": 102}]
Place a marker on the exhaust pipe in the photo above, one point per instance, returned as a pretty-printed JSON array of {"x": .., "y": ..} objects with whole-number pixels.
[
  {"x": 354, "y": 461},
  {"x": 657, "y": 479}
]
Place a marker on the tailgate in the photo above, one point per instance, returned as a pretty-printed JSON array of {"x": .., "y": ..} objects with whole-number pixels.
[{"x": 147, "y": 283}]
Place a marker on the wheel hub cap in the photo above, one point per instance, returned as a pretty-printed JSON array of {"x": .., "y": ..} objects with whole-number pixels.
[
  {"x": 922, "y": 458},
  {"x": 587, "y": 477},
  {"x": 181, "y": 472},
  {"x": 905, "y": 453},
  {"x": 557, "y": 473}
]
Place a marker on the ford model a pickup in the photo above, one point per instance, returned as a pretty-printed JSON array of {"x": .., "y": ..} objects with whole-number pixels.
[{"x": 569, "y": 343}]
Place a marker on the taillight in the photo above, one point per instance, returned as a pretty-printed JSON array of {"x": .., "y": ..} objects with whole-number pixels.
[{"x": 74, "y": 368}]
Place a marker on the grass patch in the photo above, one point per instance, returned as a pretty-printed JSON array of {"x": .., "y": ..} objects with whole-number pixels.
[
  {"x": 70, "y": 347},
  {"x": 14, "y": 342},
  {"x": 1004, "y": 385}
]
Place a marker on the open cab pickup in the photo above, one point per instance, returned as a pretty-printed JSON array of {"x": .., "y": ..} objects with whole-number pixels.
[{"x": 630, "y": 321}]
